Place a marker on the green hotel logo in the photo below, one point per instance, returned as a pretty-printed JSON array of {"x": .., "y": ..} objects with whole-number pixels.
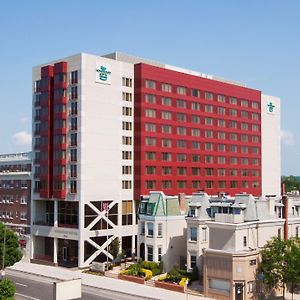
[
  {"x": 103, "y": 73},
  {"x": 271, "y": 107}
]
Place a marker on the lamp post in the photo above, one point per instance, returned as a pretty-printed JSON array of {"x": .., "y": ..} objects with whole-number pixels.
[{"x": 3, "y": 254}]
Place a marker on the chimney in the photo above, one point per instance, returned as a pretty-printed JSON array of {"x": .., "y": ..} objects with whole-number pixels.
[
  {"x": 285, "y": 215},
  {"x": 283, "y": 188},
  {"x": 181, "y": 200}
]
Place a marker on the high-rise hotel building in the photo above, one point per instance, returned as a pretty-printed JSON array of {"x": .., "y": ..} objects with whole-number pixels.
[{"x": 109, "y": 129}]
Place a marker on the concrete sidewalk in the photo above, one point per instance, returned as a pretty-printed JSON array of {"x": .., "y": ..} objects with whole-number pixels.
[{"x": 102, "y": 282}]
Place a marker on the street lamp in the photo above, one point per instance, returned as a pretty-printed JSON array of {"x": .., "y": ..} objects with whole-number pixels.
[{"x": 3, "y": 254}]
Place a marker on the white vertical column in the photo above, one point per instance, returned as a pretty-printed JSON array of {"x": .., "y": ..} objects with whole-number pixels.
[
  {"x": 55, "y": 249},
  {"x": 133, "y": 249},
  {"x": 55, "y": 213}
]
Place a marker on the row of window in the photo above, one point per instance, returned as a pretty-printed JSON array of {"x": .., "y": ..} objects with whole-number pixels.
[
  {"x": 10, "y": 184},
  {"x": 196, "y": 184},
  {"x": 15, "y": 168},
  {"x": 153, "y": 170},
  {"x": 12, "y": 198},
  {"x": 151, "y": 229},
  {"x": 182, "y": 117},
  {"x": 10, "y": 215},
  {"x": 183, "y": 91}
]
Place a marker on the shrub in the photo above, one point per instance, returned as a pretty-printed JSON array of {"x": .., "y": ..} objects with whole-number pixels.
[
  {"x": 153, "y": 266},
  {"x": 184, "y": 281},
  {"x": 7, "y": 289},
  {"x": 174, "y": 275},
  {"x": 195, "y": 274},
  {"x": 148, "y": 273},
  {"x": 162, "y": 277}
]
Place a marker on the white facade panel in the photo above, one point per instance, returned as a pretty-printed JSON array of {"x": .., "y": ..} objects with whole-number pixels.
[{"x": 270, "y": 129}]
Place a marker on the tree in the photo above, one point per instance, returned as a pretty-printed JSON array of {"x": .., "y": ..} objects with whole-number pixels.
[
  {"x": 291, "y": 183},
  {"x": 12, "y": 251},
  {"x": 280, "y": 263},
  {"x": 114, "y": 248},
  {"x": 7, "y": 289}
]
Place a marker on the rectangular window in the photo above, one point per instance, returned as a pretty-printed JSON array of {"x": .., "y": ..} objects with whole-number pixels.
[
  {"x": 126, "y": 184},
  {"x": 204, "y": 234},
  {"x": 181, "y": 90},
  {"x": 159, "y": 229},
  {"x": 74, "y": 93},
  {"x": 181, "y": 157},
  {"x": 150, "y": 84},
  {"x": 166, "y": 156},
  {"x": 195, "y": 145},
  {"x": 209, "y": 108},
  {"x": 209, "y": 146},
  {"x": 150, "y": 253},
  {"x": 181, "y": 144},
  {"x": 221, "y": 172},
  {"x": 232, "y": 112},
  {"x": 221, "y": 123},
  {"x": 195, "y": 132},
  {"x": 166, "y": 101},
  {"x": 181, "y": 117},
  {"x": 209, "y": 96},
  {"x": 150, "y": 113},
  {"x": 195, "y": 119},
  {"x": 181, "y": 184},
  {"x": 221, "y": 110},
  {"x": 166, "y": 170},
  {"x": 233, "y": 101},
  {"x": 150, "y": 156},
  {"x": 126, "y": 125},
  {"x": 159, "y": 253},
  {"x": 195, "y": 93},
  {"x": 181, "y": 104},
  {"x": 244, "y": 103},
  {"x": 221, "y": 98},
  {"x": 221, "y": 160},
  {"x": 150, "y": 170},
  {"x": 126, "y": 155},
  {"x": 166, "y": 184},
  {"x": 166, "y": 143},
  {"x": 148, "y": 127},
  {"x": 193, "y": 261},
  {"x": 126, "y": 111},
  {"x": 195, "y": 106},
  {"x": 255, "y": 105},
  {"x": 127, "y": 97},
  {"x": 209, "y": 171},
  {"x": 127, "y": 81},
  {"x": 166, "y": 115},
  {"x": 195, "y": 171},
  {"x": 233, "y": 184},
  {"x": 142, "y": 227},
  {"x": 181, "y": 130},
  {"x": 245, "y": 241},
  {"x": 150, "y": 184},
  {"x": 126, "y": 170},
  {"x": 195, "y": 158},
  {"x": 166, "y": 128},
  {"x": 209, "y": 134},
  {"x": 222, "y": 184},
  {"x": 181, "y": 171},
  {"x": 149, "y": 229},
  {"x": 193, "y": 234},
  {"x": 74, "y": 77},
  {"x": 209, "y": 121},
  {"x": 165, "y": 87},
  {"x": 150, "y": 98}
]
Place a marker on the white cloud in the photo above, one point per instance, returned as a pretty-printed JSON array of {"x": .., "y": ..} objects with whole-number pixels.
[
  {"x": 287, "y": 137},
  {"x": 22, "y": 138}
]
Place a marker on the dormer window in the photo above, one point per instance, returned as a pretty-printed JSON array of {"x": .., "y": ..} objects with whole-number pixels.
[{"x": 192, "y": 212}]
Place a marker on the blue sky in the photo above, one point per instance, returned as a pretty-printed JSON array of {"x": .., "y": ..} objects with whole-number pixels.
[{"x": 255, "y": 42}]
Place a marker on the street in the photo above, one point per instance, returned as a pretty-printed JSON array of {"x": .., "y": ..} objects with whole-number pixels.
[{"x": 33, "y": 287}]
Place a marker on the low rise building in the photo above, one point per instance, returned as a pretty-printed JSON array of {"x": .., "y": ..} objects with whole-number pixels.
[
  {"x": 15, "y": 191},
  {"x": 162, "y": 229}
]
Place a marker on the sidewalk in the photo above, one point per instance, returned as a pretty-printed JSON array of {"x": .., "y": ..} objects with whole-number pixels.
[{"x": 102, "y": 282}]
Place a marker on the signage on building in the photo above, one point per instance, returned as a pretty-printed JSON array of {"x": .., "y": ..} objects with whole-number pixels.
[
  {"x": 271, "y": 107},
  {"x": 102, "y": 74}
]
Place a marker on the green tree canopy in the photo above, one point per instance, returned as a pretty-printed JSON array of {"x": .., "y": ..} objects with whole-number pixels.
[
  {"x": 280, "y": 263},
  {"x": 12, "y": 251},
  {"x": 7, "y": 289},
  {"x": 291, "y": 183}
]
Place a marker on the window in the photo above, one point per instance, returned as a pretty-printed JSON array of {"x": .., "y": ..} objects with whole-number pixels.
[
  {"x": 150, "y": 253},
  {"x": 23, "y": 215},
  {"x": 166, "y": 184},
  {"x": 244, "y": 126},
  {"x": 195, "y": 145},
  {"x": 23, "y": 200},
  {"x": 244, "y": 114},
  {"x": 209, "y": 171},
  {"x": 181, "y": 117},
  {"x": 195, "y": 184},
  {"x": 232, "y": 112},
  {"x": 165, "y": 87},
  {"x": 126, "y": 140},
  {"x": 195, "y": 171},
  {"x": 142, "y": 227},
  {"x": 209, "y": 184},
  {"x": 245, "y": 184},
  {"x": 166, "y": 128},
  {"x": 181, "y": 157},
  {"x": 166, "y": 115},
  {"x": 150, "y": 156},
  {"x": 159, "y": 229},
  {"x": 252, "y": 262},
  {"x": 126, "y": 184},
  {"x": 221, "y": 160},
  {"x": 74, "y": 77},
  {"x": 244, "y": 149},
  {"x": 181, "y": 130},
  {"x": 181, "y": 90},
  {"x": 233, "y": 101},
  {"x": 209, "y": 108},
  {"x": 255, "y": 139},
  {"x": 73, "y": 123},
  {"x": 209, "y": 96},
  {"x": 233, "y": 184},
  {"x": 150, "y": 141},
  {"x": 221, "y": 123},
  {"x": 181, "y": 104},
  {"x": 166, "y": 143},
  {"x": 193, "y": 234},
  {"x": 245, "y": 241},
  {"x": 127, "y": 97},
  {"x": 195, "y": 132},
  {"x": 148, "y": 127},
  {"x": 233, "y": 124},
  {"x": 255, "y": 127},
  {"x": 74, "y": 92},
  {"x": 166, "y": 170},
  {"x": 181, "y": 184},
  {"x": 255, "y": 105},
  {"x": 221, "y": 147},
  {"x": 244, "y": 103},
  {"x": 159, "y": 253},
  {"x": 209, "y": 146},
  {"x": 149, "y": 229},
  {"x": 209, "y": 121},
  {"x": 150, "y": 98},
  {"x": 126, "y": 81},
  {"x": 251, "y": 286},
  {"x": 195, "y": 106},
  {"x": 181, "y": 144},
  {"x": 221, "y": 98},
  {"x": 233, "y": 160},
  {"x": 195, "y": 93},
  {"x": 127, "y": 125},
  {"x": 126, "y": 155},
  {"x": 150, "y": 170},
  {"x": 150, "y": 184},
  {"x": 195, "y": 158},
  {"x": 222, "y": 184},
  {"x": 209, "y": 134},
  {"x": 221, "y": 172},
  {"x": 166, "y": 156},
  {"x": 233, "y": 172},
  {"x": 150, "y": 113},
  {"x": 181, "y": 171},
  {"x": 255, "y": 116},
  {"x": 193, "y": 261},
  {"x": 73, "y": 154},
  {"x": 166, "y": 101},
  {"x": 73, "y": 171},
  {"x": 221, "y": 110},
  {"x": 126, "y": 111},
  {"x": 233, "y": 136},
  {"x": 74, "y": 108},
  {"x": 195, "y": 119},
  {"x": 150, "y": 84},
  {"x": 279, "y": 232},
  {"x": 204, "y": 234},
  {"x": 126, "y": 170},
  {"x": 221, "y": 135}
]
